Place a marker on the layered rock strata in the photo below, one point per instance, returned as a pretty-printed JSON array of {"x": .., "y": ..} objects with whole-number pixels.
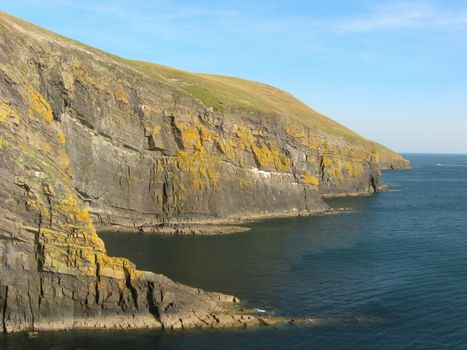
[{"x": 88, "y": 139}]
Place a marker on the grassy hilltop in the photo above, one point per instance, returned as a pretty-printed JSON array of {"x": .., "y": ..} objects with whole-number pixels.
[{"x": 224, "y": 93}]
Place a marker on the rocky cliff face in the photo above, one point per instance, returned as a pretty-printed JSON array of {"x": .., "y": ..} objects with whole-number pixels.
[{"x": 90, "y": 139}]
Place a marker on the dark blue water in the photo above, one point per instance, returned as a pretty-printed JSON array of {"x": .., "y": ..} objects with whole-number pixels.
[{"x": 390, "y": 274}]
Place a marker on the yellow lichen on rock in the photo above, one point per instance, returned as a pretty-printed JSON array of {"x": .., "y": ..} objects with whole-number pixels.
[
  {"x": 230, "y": 150},
  {"x": 332, "y": 166},
  {"x": 156, "y": 129},
  {"x": 87, "y": 76},
  {"x": 190, "y": 137},
  {"x": 39, "y": 106},
  {"x": 295, "y": 132},
  {"x": 270, "y": 157},
  {"x": 354, "y": 169},
  {"x": 61, "y": 136},
  {"x": 120, "y": 92},
  {"x": 75, "y": 215},
  {"x": 64, "y": 162},
  {"x": 75, "y": 249},
  {"x": 310, "y": 179},
  {"x": 201, "y": 172},
  {"x": 7, "y": 112},
  {"x": 112, "y": 267},
  {"x": 68, "y": 78},
  {"x": 206, "y": 135},
  {"x": 68, "y": 260},
  {"x": 245, "y": 136},
  {"x": 155, "y": 138}
]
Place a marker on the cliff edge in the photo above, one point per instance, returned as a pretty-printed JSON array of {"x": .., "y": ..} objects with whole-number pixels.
[{"x": 89, "y": 139}]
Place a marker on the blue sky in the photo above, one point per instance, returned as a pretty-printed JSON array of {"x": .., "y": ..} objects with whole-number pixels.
[{"x": 394, "y": 71}]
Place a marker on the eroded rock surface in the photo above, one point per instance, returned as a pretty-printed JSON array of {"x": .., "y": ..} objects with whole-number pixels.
[{"x": 88, "y": 139}]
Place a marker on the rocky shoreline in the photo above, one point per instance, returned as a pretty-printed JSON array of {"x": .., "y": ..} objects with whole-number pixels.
[
  {"x": 91, "y": 140},
  {"x": 217, "y": 227}
]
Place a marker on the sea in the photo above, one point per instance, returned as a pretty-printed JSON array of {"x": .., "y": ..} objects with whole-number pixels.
[{"x": 387, "y": 272}]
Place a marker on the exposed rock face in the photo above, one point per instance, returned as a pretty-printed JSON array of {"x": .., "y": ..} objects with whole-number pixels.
[
  {"x": 54, "y": 271},
  {"x": 89, "y": 139}
]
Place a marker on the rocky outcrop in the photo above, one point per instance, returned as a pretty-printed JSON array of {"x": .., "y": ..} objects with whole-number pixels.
[
  {"x": 54, "y": 271},
  {"x": 88, "y": 139}
]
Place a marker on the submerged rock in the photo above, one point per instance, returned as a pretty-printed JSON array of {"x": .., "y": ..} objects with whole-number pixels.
[{"x": 91, "y": 140}]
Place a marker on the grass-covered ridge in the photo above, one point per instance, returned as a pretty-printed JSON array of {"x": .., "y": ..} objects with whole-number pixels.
[
  {"x": 222, "y": 93},
  {"x": 230, "y": 93}
]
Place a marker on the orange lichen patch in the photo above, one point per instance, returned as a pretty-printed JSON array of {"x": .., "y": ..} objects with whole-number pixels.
[
  {"x": 155, "y": 138},
  {"x": 120, "y": 92},
  {"x": 340, "y": 170},
  {"x": 80, "y": 254},
  {"x": 70, "y": 253},
  {"x": 326, "y": 161},
  {"x": 297, "y": 133},
  {"x": 245, "y": 136},
  {"x": 182, "y": 154},
  {"x": 112, "y": 267},
  {"x": 76, "y": 251},
  {"x": 63, "y": 160},
  {"x": 354, "y": 169},
  {"x": 332, "y": 166},
  {"x": 342, "y": 164},
  {"x": 67, "y": 241},
  {"x": 68, "y": 261},
  {"x": 156, "y": 129},
  {"x": 68, "y": 78},
  {"x": 305, "y": 136},
  {"x": 61, "y": 136},
  {"x": 76, "y": 215},
  {"x": 39, "y": 106},
  {"x": 7, "y": 112},
  {"x": 266, "y": 155},
  {"x": 190, "y": 137},
  {"x": 201, "y": 172},
  {"x": 132, "y": 272},
  {"x": 88, "y": 77},
  {"x": 310, "y": 179},
  {"x": 75, "y": 248},
  {"x": 314, "y": 142},
  {"x": 270, "y": 157},
  {"x": 229, "y": 148},
  {"x": 206, "y": 135},
  {"x": 78, "y": 70}
]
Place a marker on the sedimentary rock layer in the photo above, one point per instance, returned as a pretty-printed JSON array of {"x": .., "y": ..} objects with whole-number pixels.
[{"x": 90, "y": 139}]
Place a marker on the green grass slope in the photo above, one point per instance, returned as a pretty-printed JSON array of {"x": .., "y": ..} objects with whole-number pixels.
[{"x": 223, "y": 93}]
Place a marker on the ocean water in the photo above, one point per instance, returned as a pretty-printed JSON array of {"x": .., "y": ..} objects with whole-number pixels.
[{"x": 390, "y": 273}]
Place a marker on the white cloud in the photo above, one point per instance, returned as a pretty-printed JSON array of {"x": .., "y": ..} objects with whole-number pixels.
[
  {"x": 399, "y": 15},
  {"x": 390, "y": 15}
]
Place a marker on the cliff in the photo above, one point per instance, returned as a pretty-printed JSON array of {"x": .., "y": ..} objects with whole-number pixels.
[{"x": 89, "y": 139}]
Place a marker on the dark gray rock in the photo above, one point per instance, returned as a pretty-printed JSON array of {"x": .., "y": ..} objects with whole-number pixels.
[{"x": 87, "y": 139}]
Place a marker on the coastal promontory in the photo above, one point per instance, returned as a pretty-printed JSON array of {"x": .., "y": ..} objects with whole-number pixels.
[{"x": 93, "y": 141}]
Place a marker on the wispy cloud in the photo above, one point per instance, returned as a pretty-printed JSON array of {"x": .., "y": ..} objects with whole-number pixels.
[
  {"x": 400, "y": 15},
  {"x": 396, "y": 15},
  {"x": 161, "y": 10},
  {"x": 237, "y": 24},
  {"x": 380, "y": 15},
  {"x": 168, "y": 20},
  {"x": 171, "y": 19}
]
